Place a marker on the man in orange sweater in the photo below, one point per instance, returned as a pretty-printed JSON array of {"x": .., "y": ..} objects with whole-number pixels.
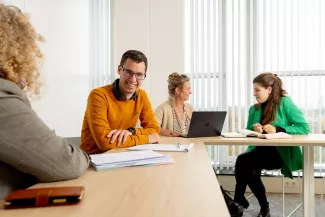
[{"x": 114, "y": 110}]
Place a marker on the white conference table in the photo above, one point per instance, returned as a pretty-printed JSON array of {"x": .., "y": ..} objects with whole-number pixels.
[
  {"x": 187, "y": 188},
  {"x": 308, "y": 142}
]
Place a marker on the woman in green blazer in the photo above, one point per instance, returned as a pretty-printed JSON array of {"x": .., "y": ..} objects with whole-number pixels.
[{"x": 274, "y": 112}]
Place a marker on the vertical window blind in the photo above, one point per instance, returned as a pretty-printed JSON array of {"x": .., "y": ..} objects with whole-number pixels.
[
  {"x": 230, "y": 42},
  {"x": 101, "y": 64}
]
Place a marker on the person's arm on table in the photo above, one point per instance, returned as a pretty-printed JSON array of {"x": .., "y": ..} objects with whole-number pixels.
[{"x": 100, "y": 127}]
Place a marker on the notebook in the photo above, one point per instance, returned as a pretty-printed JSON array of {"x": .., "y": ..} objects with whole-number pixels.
[
  {"x": 163, "y": 147},
  {"x": 242, "y": 133},
  {"x": 279, "y": 135},
  {"x": 249, "y": 133},
  {"x": 128, "y": 159}
]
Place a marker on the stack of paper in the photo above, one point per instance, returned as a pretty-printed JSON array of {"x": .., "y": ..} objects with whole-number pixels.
[{"x": 128, "y": 159}]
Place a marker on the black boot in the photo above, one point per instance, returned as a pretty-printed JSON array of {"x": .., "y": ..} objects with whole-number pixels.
[
  {"x": 264, "y": 212},
  {"x": 235, "y": 209},
  {"x": 244, "y": 202}
]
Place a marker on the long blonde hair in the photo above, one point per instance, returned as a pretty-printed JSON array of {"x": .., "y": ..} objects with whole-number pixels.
[{"x": 20, "y": 56}]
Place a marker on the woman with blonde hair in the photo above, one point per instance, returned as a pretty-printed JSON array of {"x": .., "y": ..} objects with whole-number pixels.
[
  {"x": 30, "y": 152},
  {"x": 175, "y": 114}
]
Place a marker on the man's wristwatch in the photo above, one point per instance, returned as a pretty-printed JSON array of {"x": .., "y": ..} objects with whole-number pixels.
[{"x": 132, "y": 130}]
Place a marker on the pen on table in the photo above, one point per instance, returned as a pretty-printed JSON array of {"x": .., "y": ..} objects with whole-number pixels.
[{"x": 178, "y": 145}]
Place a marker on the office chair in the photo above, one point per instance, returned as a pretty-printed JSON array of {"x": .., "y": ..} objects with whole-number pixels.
[{"x": 278, "y": 173}]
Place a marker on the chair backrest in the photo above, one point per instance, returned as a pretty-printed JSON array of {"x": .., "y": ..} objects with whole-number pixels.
[{"x": 73, "y": 140}]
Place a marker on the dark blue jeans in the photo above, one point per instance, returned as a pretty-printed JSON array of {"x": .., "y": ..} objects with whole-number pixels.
[{"x": 248, "y": 172}]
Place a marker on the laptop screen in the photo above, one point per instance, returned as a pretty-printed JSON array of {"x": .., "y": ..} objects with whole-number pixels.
[{"x": 206, "y": 123}]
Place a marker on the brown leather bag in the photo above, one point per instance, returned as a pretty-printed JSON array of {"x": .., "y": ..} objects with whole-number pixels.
[{"x": 38, "y": 197}]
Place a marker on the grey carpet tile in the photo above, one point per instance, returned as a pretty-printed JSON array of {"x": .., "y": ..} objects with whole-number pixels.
[{"x": 291, "y": 202}]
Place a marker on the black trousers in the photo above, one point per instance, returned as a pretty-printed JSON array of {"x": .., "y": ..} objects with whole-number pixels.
[{"x": 248, "y": 172}]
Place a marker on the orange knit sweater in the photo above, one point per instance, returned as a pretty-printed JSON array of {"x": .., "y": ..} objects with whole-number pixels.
[{"x": 105, "y": 113}]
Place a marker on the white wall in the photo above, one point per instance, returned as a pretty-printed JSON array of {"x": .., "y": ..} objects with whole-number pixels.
[
  {"x": 64, "y": 23},
  {"x": 153, "y": 26},
  {"x": 65, "y": 26},
  {"x": 157, "y": 28}
]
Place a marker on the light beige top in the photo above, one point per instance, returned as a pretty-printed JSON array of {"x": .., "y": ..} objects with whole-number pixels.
[
  {"x": 187, "y": 188},
  {"x": 166, "y": 117}
]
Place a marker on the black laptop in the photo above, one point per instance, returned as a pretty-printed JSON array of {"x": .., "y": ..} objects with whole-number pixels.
[{"x": 206, "y": 124}]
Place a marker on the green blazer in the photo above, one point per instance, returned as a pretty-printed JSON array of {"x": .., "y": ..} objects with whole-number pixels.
[{"x": 290, "y": 118}]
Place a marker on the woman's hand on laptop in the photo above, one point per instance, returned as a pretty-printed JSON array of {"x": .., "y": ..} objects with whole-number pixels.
[{"x": 166, "y": 132}]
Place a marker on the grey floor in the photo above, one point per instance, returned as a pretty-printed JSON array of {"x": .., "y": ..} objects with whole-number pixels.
[{"x": 291, "y": 202}]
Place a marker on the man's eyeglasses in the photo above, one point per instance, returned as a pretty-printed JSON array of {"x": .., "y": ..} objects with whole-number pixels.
[{"x": 130, "y": 73}]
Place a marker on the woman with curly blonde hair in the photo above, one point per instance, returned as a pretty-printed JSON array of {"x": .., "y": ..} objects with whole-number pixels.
[
  {"x": 20, "y": 56},
  {"x": 30, "y": 152}
]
